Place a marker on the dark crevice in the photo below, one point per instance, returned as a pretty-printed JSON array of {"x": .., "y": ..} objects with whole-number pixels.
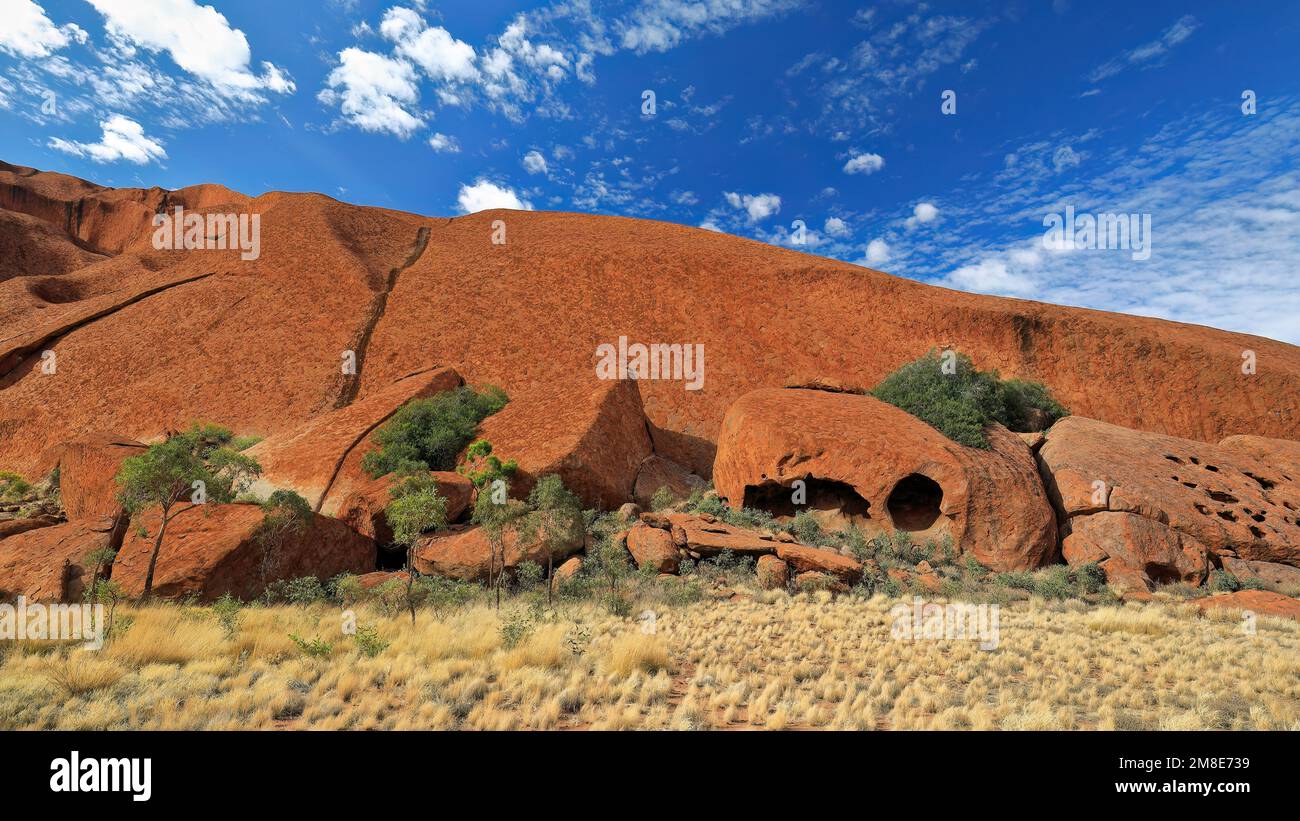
[{"x": 352, "y": 382}]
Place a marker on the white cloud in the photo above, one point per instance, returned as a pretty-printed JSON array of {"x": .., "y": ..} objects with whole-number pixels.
[
  {"x": 373, "y": 92},
  {"x": 535, "y": 163},
  {"x": 444, "y": 144},
  {"x": 864, "y": 164},
  {"x": 659, "y": 25},
  {"x": 877, "y": 252},
  {"x": 484, "y": 195},
  {"x": 922, "y": 213},
  {"x": 27, "y": 32},
  {"x": 123, "y": 139},
  {"x": 432, "y": 48},
  {"x": 835, "y": 227},
  {"x": 758, "y": 206},
  {"x": 1175, "y": 34},
  {"x": 199, "y": 40}
]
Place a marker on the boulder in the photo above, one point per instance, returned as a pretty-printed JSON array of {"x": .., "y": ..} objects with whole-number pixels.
[
  {"x": 656, "y": 472},
  {"x": 379, "y": 578},
  {"x": 363, "y": 509},
  {"x": 49, "y": 563},
  {"x": 867, "y": 463},
  {"x": 811, "y": 581},
  {"x": 571, "y": 567},
  {"x": 465, "y": 553},
  {"x": 1280, "y": 574},
  {"x": 804, "y": 559},
  {"x": 1282, "y": 454},
  {"x": 773, "y": 574},
  {"x": 1223, "y": 498},
  {"x": 705, "y": 536},
  {"x": 1135, "y": 548},
  {"x": 1259, "y": 602},
  {"x": 88, "y": 466},
  {"x": 320, "y": 460},
  {"x": 213, "y": 549},
  {"x": 628, "y": 512},
  {"x": 652, "y": 547}
]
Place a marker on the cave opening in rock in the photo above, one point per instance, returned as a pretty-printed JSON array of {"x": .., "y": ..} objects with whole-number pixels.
[
  {"x": 835, "y": 504},
  {"x": 914, "y": 502},
  {"x": 390, "y": 557}
]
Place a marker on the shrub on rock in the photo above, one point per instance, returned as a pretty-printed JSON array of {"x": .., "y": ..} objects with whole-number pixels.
[{"x": 431, "y": 432}]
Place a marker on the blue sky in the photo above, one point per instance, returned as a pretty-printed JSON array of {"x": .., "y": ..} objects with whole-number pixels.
[{"x": 766, "y": 112}]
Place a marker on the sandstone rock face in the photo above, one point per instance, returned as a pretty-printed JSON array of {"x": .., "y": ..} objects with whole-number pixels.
[
  {"x": 708, "y": 537},
  {"x": 652, "y": 547},
  {"x": 773, "y": 574},
  {"x": 1152, "y": 550},
  {"x": 48, "y": 564},
  {"x": 87, "y": 468},
  {"x": 1259, "y": 602},
  {"x": 363, "y": 509},
  {"x": 803, "y": 559},
  {"x": 1154, "y": 505},
  {"x": 656, "y": 472},
  {"x": 214, "y": 549},
  {"x": 1271, "y": 572},
  {"x": 321, "y": 459},
  {"x": 1282, "y": 454},
  {"x": 465, "y": 553},
  {"x": 161, "y": 338},
  {"x": 876, "y": 466}
]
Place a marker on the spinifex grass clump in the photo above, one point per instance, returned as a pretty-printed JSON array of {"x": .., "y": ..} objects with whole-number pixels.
[
  {"x": 428, "y": 434},
  {"x": 949, "y": 394}
]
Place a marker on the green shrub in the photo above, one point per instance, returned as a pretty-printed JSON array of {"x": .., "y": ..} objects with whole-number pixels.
[
  {"x": 1018, "y": 580},
  {"x": 443, "y": 595},
  {"x": 1221, "y": 581},
  {"x": 414, "y": 507},
  {"x": 711, "y": 505},
  {"x": 515, "y": 627},
  {"x": 749, "y": 518},
  {"x": 529, "y": 576},
  {"x": 303, "y": 590},
  {"x": 13, "y": 486},
  {"x": 241, "y": 443},
  {"x": 316, "y": 648},
  {"x": 1090, "y": 577},
  {"x": 346, "y": 589},
  {"x": 482, "y": 467},
  {"x": 662, "y": 498},
  {"x": 1054, "y": 583},
  {"x": 1253, "y": 583},
  {"x": 429, "y": 433},
  {"x": 806, "y": 528},
  {"x": 227, "y": 610},
  {"x": 961, "y": 403},
  {"x": 369, "y": 642}
]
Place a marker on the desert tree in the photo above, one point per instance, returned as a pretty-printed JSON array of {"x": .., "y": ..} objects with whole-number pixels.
[
  {"x": 415, "y": 508},
  {"x": 197, "y": 460},
  {"x": 555, "y": 520},
  {"x": 284, "y": 514}
]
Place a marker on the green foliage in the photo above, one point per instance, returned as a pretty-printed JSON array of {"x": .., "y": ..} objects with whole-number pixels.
[
  {"x": 1090, "y": 577},
  {"x": 443, "y": 595},
  {"x": 1018, "y": 580},
  {"x": 712, "y": 505},
  {"x": 556, "y": 513},
  {"x": 1253, "y": 583},
  {"x": 242, "y": 443},
  {"x": 12, "y": 486},
  {"x": 529, "y": 576},
  {"x": 662, "y": 498},
  {"x": 346, "y": 589},
  {"x": 369, "y": 642},
  {"x": 303, "y": 590},
  {"x": 515, "y": 627},
  {"x": 606, "y": 559},
  {"x": 483, "y": 467},
  {"x": 429, "y": 433},
  {"x": 226, "y": 609},
  {"x": 806, "y": 528},
  {"x": 1054, "y": 583},
  {"x": 415, "y": 507},
  {"x": 165, "y": 472},
  {"x": 577, "y": 639},
  {"x": 960, "y": 404},
  {"x": 316, "y": 648},
  {"x": 857, "y": 543},
  {"x": 1221, "y": 581}
]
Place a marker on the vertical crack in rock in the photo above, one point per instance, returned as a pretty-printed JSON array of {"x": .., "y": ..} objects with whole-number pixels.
[{"x": 351, "y": 383}]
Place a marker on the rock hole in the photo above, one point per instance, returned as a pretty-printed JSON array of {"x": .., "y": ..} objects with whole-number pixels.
[
  {"x": 56, "y": 290},
  {"x": 1256, "y": 532},
  {"x": 1173, "y": 459},
  {"x": 1202, "y": 509},
  {"x": 914, "y": 502},
  {"x": 1195, "y": 461},
  {"x": 1161, "y": 573},
  {"x": 1190, "y": 484},
  {"x": 835, "y": 504},
  {"x": 1220, "y": 496},
  {"x": 1212, "y": 468},
  {"x": 1267, "y": 484},
  {"x": 1227, "y": 515},
  {"x": 1259, "y": 517}
]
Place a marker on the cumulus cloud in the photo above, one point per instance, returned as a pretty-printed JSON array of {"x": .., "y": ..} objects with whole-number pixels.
[
  {"x": 535, "y": 163},
  {"x": 922, "y": 213},
  {"x": 432, "y": 48},
  {"x": 864, "y": 164},
  {"x": 199, "y": 40},
  {"x": 835, "y": 227},
  {"x": 444, "y": 144},
  {"x": 758, "y": 206},
  {"x": 27, "y": 32},
  {"x": 484, "y": 194},
  {"x": 373, "y": 92},
  {"x": 877, "y": 252},
  {"x": 123, "y": 139}
]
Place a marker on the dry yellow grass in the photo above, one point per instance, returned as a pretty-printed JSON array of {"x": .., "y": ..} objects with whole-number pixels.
[{"x": 767, "y": 661}]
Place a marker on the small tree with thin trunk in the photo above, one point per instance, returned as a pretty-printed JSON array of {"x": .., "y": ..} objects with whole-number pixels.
[
  {"x": 497, "y": 514},
  {"x": 169, "y": 472},
  {"x": 556, "y": 519},
  {"x": 416, "y": 508}
]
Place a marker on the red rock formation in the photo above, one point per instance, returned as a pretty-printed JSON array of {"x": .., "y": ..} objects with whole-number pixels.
[
  {"x": 773, "y": 574},
  {"x": 1155, "y": 505},
  {"x": 49, "y": 563},
  {"x": 1259, "y": 602},
  {"x": 652, "y": 547},
  {"x": 363, "y": 509},
  {"x": 803, "y": 559},
  {"x": 87, "y": 469},
  {"x": 213, "y": 549},
  {"x": 871, "y": 464},
  {"x": 466, "y": 553}
]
